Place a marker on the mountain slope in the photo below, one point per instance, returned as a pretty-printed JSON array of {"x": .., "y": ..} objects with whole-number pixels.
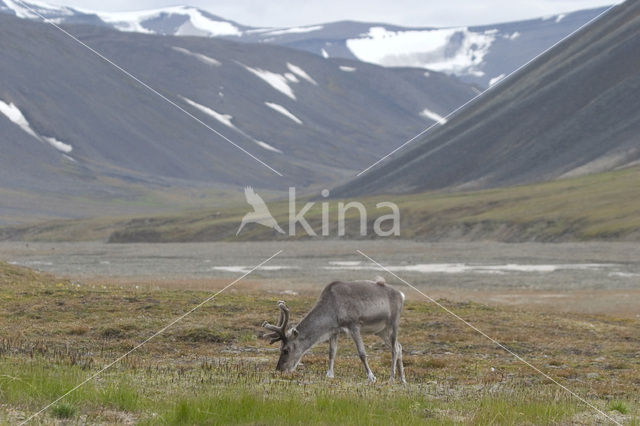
[
  {"x": 92, "y": 132},
  {"x": 575, "y": 110},
  {"x": 480, "y": 54}
]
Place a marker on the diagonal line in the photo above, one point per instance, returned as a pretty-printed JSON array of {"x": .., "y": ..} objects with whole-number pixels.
[
  {"x": 146, "y": 86},
  {"x": 162, "y": 330},
  {"x": 518, "y": 357},
  {"x": 445, "y": 118}
]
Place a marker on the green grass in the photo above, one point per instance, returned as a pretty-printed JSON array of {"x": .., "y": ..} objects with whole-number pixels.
[
  {"x": 247, "y": 408},
  {"x": 216, "y": 396},
  {"x": 63, "y": 411},
  {"x": 333, "y": 407},
  {"x": 35, "y": 381},
  {"x": 518, "y": 411},
  {"x": 619, "y": 406}
]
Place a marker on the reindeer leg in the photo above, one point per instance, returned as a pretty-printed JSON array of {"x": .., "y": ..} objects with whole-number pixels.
[
  {"x": 333, "y": 348},
  {"x": 355, "y": 334},
  {"x": 400, "y": 365},
  {"x": 396, "y": 356},
  {"x": 393, "y": 343},
  {"x": 385, "y": 335}
]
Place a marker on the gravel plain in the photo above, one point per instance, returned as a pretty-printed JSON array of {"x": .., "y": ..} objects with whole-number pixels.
[
  {"x": 469, "y": 265},
  {"x": 584, "y": 277}
]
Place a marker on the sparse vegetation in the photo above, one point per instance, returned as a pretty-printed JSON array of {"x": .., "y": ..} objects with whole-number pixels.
[
  {"x": 203, "y": 335},
  {"x": 213, "y": 367},
  {"x": 619, "y": 406},
  {"x": 601, "y": 206},
  {"x": 63, "y": 411}
]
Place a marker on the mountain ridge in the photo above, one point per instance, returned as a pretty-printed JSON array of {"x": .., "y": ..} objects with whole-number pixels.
[{"x": 480, "y": 54}]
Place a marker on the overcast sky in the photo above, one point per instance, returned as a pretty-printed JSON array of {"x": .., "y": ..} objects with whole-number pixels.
[{"x": 402, "y": 12}]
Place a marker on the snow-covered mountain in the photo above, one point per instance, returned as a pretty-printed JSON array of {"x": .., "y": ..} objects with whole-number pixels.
[
  {"x": 74, "y": 128},
  {"x": 176, "y": 20},
  {"x": 481, "y": 54}
]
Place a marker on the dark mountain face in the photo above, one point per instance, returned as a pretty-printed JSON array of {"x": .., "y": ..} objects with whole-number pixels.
[
  {"x": 479, "y": 55},
  {"x": 92, "y": 132},
  {"x": 575, "y": 110}
]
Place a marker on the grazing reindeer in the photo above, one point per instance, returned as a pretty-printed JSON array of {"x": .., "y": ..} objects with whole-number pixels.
[{"x": 354, "y": 307}]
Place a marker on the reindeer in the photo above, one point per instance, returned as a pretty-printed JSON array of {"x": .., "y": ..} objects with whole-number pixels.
[{"x": 353, "y": 307}]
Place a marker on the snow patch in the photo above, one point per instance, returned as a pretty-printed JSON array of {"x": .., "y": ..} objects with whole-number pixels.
[
  {"x": 60, "y": 146},
  {"x": 494, "y": 80},
  {"x": 347, "y": 69},
  {"x": 346, "y": 263},
  {"x": 267, "y": 146},
  {"x": 13, "y": 113},
  {"x": 295, "y": 30},
  {"x": 132, "y": 21},
  {"x": 458, "y": 268},
  {"x": 275, "y": 80},
  {"x": 243, "y": 269},
  {"x": 282, "y": 110},
  {"x": 129, "y": 21},
  {"x": 291, "y": 77},
  {"x": 226, "y": 120},
  {"x": 40, "y": 7},
  {"x": 624, "y": 274},
  {"x": 450, "y": 50},
  {"x": 199, "y": 56},
  {"x": 324, "y": 53},
  {"x": 300, "y": 73},
  {"x": 214, "y": 28},
  {"x": 258, "y": 30},
  {"x": 560, "y": 17},
  {"x": 222, "y": 118},
  {"x": 514, "y": 36},
  {"x": 433, "y": 116}
]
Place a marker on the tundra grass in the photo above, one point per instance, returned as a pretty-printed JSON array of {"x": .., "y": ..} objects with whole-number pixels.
[
  {"x": 215, "y": 368},
  {"x": 603, "y": 206}
]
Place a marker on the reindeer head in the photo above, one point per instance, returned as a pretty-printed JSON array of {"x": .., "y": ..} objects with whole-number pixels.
[{"x": 290, "y": 352}]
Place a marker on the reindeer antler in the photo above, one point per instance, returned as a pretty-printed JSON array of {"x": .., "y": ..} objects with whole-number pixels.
[{"x": 278, "y": 331}]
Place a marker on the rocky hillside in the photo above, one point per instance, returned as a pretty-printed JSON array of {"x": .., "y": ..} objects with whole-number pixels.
[{"x": 574, "y": 111}]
